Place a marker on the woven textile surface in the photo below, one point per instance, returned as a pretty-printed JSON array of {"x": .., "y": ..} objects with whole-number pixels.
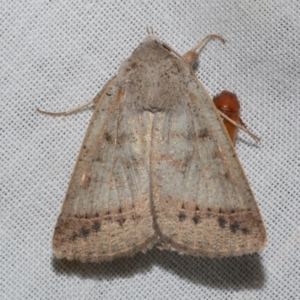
[{"x": 56, "y": 55}]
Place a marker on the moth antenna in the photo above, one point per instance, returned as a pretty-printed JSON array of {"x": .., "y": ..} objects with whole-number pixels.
[
  {"x": 95, "y": 100},
  {"x": 150, "y": 30},
  {"x": 191, "y": 57},
  {"x": 67, "y": 112},
  {"x": 205, "y": 39},
  {"x": 244, "y": 128}
]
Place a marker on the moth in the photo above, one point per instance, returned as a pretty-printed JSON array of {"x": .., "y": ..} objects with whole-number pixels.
[{"x": 157, "y": 168}]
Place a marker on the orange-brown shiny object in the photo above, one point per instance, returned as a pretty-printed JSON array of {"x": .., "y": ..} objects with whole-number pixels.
[{"x": 229, "y": 105}]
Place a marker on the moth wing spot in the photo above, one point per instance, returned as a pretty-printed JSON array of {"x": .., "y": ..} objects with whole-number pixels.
[
  {"x": 74, "y": 236},
  {"x": 196, "y": 219},
  {"x": 181, "y": 217},
  {"x": 84, "y": 231},
  {"x": 108, "y": 218},
  {"x": 203, "y": 133},
  {"x": 135, "y": 217},
  {"x": 108, "y": 137},
  {"x": 226, "y": 175},
  {"x": 234, "y": 226},
  {"x": 96, "y": 226},
  {"x": 121, "y": 221},
  {"x": 222, "y": 222},
  {"x": 245, "y": 230}
]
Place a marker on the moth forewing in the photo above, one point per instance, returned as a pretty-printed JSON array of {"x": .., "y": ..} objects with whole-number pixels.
[
  {"x": 157, "y": 167},
  {"x": 208, "y": 209},
  {"x": 95, "y": 223}
]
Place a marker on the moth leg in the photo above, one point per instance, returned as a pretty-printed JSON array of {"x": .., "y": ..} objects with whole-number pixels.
[
  {"x": 242, "y": 123},
  {"x": 98, "y": 98},
  {"x": 241, "y": 126}
]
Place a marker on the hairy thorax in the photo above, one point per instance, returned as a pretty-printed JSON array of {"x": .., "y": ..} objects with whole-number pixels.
[{"x": 148, "y": 80}]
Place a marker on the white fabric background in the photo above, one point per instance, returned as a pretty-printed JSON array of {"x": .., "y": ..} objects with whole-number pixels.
[{"x": 57, "y": 54}]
